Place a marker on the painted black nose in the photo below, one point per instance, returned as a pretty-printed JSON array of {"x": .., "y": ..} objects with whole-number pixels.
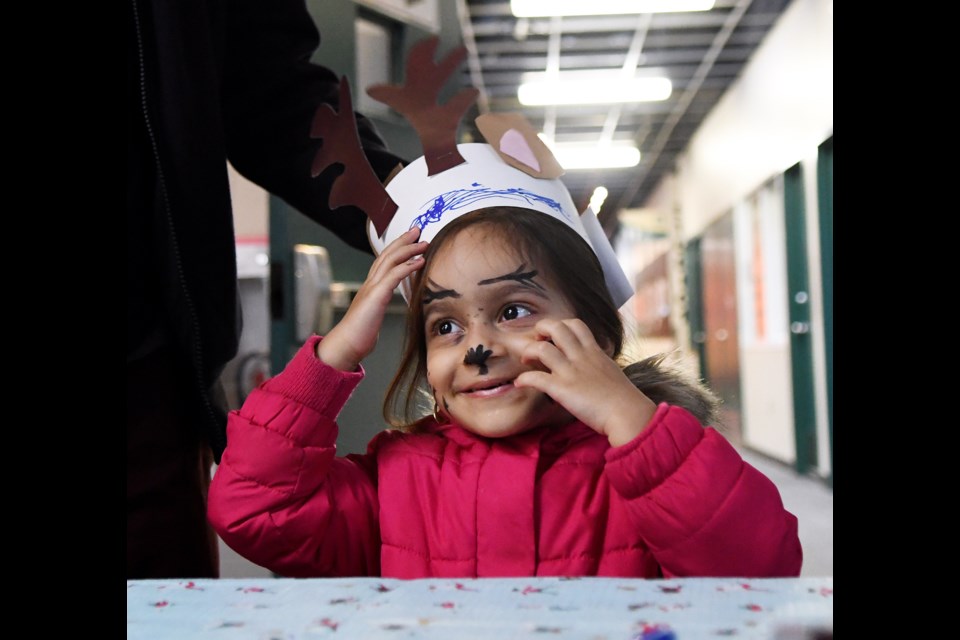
[{"x": 478, "y": 355}]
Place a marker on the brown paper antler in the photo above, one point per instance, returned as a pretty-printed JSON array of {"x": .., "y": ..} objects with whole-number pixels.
[
  {"x": 436, "y": 126},
  {"x": 358, "y": 185},
  {"x": 417, "y": 100}
]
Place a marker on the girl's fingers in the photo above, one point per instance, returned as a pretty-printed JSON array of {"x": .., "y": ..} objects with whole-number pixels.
[
  {"x": 544, "y": 353},
  {"x": 539, "y": 380},
  {"x": 405, "y": 239},
  {"x": 565, "y": 347},
  {"x": 561, "y": 333},
  {"x": 580, "y": 329},
  {"x": 404, "y": 269},
  {"x": 396, "y": 253}
]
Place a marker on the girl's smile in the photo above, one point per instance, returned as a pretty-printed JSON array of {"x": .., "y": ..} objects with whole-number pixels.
[{"x": 489, "y": 389}]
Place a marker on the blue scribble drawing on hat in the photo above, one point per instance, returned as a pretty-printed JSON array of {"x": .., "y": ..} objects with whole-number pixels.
[{"x": 458, "y": 198}]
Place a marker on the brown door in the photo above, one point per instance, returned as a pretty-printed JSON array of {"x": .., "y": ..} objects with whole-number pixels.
[{"x": 721, "y": 347}]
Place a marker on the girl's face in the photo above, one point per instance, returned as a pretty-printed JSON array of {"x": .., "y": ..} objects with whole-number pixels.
[{"x": 481, "y": 304}]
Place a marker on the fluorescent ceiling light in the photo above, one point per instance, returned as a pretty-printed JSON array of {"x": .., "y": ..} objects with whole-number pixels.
[
  {"x": 536, "y": 8},
  {"x": 592, "y": 155},
  {"x": 593, "y": 87}
]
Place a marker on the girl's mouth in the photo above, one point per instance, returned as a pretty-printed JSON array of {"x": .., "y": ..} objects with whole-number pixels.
[{"x": 492, "y": 389}]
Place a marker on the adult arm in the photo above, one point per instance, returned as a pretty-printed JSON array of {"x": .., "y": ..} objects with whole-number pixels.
[
  {"x": 271, "y": 92},
  {"x": 280, "y": 497},
  {"x": 699, "y": 506}
]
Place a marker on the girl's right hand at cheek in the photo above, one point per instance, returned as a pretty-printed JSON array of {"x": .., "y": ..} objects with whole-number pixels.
[{"x": 355, "y": 336}]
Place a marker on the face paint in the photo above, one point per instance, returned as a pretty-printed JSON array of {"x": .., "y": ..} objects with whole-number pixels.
[
  {"x": 519, "y": 275},
  {"x": 478, "y": 355}
]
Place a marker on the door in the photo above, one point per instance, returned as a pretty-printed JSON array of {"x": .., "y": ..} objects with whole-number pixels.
[
  {"x": 720, "y": 340},
  {"x": 825, "y": 208},
  {"x": 801, "y": 346},
  {"x": 693, "y": 272}
]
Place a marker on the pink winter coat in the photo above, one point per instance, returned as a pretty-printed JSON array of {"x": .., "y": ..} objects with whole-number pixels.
[{"x": 678, "y": 500}]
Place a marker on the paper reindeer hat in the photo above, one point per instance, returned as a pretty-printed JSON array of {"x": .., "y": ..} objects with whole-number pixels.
[{"x": 515, "y": 169}]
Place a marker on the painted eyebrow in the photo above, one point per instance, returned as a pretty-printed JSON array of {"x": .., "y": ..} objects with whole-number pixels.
[
  {"x": 430, "y": 294},
  {"x": 519, "y": 275}
]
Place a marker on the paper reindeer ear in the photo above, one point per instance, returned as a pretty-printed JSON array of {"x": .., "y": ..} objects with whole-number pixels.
[
  {"x": 518, "y": 144},
  {"x": 516, "y": 169}
]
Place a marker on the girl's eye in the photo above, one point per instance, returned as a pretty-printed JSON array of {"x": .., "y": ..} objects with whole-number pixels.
[
  {"x": 514, "y": 311},
  {"x": 446, "y": 326}
]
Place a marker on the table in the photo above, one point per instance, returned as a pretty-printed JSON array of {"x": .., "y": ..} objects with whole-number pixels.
[{"x": 486, "y": 608}]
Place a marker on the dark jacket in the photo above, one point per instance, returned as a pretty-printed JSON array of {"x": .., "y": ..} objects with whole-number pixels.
[{"x": 211, "y": 81}]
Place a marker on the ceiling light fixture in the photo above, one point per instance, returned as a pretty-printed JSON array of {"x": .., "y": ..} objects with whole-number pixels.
[
  {"x": 593, "y": 87},
  {"x": 538, "y": 8},
  {"x": 574, "y": 156}
]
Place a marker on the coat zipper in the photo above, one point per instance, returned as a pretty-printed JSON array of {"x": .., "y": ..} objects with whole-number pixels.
[{"x": 218, "y": 438}]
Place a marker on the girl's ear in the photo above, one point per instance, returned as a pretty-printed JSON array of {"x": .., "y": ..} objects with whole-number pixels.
[{"x": 607, "y": 345}]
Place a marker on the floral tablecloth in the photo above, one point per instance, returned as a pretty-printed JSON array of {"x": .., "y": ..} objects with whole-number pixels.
[{"x": 495, "y": 608}]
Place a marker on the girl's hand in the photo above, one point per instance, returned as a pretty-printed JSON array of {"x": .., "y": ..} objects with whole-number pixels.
[
  {"x": 585, "y": 380},
  {"x": 355, "y": 336}
]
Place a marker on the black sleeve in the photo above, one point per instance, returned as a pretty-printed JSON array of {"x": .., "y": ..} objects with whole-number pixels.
[{"x": 270, "y": 94}]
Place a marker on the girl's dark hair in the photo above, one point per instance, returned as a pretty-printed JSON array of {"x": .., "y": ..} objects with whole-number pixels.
[{"x": 571, "y": 264}]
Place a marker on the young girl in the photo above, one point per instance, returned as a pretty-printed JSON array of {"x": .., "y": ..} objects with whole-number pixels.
[
  {"x": 535, "y": 453},
  {"x": 543, "y": 457}
]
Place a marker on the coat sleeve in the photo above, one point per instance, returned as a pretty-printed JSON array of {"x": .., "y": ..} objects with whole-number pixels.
[
  {"x": 280, "y": 497},
  {"x": 271, "y": 91},
  {"x": 699, "y": 506}
]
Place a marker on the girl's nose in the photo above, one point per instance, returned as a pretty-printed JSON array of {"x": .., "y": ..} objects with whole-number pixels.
[
  {"x": 482, "y": 344},
  {"x": 478, "y": 356}
]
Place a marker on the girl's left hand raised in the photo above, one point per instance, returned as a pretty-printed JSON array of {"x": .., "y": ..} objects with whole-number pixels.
[{"x": 583, "y": 378}]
